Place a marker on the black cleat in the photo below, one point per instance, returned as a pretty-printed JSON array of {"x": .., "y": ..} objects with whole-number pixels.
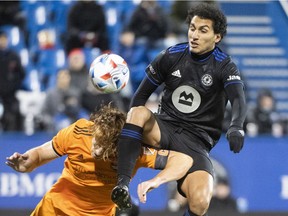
[{"x": 121, "y": 197}]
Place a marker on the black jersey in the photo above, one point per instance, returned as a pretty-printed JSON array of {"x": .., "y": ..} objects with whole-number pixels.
[{"x": 194, "y": 96}]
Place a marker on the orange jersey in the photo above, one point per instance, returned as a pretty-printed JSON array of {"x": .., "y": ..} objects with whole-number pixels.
[{"x": 85, "y": 186}]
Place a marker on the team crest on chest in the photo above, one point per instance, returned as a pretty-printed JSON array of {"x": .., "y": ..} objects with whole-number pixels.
[{"x": 207, "y": 80}]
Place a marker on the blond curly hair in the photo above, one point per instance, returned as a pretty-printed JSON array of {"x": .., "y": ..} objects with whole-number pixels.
[{"x": 108, "y": 123}]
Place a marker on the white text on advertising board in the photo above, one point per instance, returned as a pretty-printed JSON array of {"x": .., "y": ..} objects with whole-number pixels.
[{"x": 22, "y": 184}]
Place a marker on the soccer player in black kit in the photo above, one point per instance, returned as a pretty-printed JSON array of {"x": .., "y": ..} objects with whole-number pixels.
[{"x": 198, "y": 81}]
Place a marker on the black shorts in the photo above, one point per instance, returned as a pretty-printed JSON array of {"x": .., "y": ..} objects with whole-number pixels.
[{"x": 175, "y": 138}]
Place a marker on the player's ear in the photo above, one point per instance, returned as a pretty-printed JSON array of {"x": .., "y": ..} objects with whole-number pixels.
[{"x": 217, "y": 38}]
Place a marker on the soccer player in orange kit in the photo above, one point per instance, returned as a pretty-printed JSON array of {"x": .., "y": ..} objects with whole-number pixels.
[{"x": 89, "y": 173}]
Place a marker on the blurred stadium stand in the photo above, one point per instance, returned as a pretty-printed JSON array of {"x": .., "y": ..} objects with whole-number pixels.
[
  {"x": 257, "y": 41},
  {"x": 15, "y": 37},
  {"x": 257, "y": 38}
]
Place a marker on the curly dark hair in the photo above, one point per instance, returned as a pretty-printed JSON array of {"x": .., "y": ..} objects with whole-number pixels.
[
  {"x": 108, "y": 122},
  {"x": 211, "y": 12}
]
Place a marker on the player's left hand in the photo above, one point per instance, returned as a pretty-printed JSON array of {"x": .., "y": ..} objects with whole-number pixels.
[{"x": 235, "y": 136}]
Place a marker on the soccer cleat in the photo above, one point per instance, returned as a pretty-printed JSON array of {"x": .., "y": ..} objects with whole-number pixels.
[{"x": 121, "y": 197}]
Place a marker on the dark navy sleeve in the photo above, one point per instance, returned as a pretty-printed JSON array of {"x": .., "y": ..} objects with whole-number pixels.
[
  {"x": 234, "y": 88},
  {"x": 156, "y": 70},
  {"x": 237, "y": 99},
  {"x": 145, "y": 89}
]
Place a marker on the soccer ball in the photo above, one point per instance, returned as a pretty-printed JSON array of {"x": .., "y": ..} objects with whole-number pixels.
[{"x": 109, "y": 73}]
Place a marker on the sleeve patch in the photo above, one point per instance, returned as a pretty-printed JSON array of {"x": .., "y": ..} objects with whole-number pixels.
[{"x": 148, "y": 151}]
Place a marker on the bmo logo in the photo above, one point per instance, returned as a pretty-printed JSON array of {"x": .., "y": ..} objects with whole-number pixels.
[{"x": 22, "y": 185}]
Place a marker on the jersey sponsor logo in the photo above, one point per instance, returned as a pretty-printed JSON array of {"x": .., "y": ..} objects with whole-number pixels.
[
  {"x": 186, "y": 99},
  {"x": 103, "y": 177},
  {"x": 176, "y": 73},
  {"x": 233, "y": 77},
  {"x": 207, "y": 80}
]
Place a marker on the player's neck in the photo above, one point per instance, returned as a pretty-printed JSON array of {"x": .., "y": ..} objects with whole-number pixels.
[{"x": 197, "y": 57}]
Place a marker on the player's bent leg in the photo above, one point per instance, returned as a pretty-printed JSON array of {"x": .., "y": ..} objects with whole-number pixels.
[
  {"x": 198, "y": 187},
  {"x": 143, "y": 117},
  {"x": 138, "y": 116},
  {"x": 129, "y": 149},
  {"x": 121, "y": 197}
]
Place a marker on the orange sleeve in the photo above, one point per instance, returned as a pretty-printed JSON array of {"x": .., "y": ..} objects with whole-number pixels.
[{"x": 62, "y": 138}]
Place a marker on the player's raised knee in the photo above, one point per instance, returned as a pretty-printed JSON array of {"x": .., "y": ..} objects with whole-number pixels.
[{"x": 135, "y": 112}]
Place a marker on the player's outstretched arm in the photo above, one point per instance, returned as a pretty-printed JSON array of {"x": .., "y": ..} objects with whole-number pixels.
[
  {"x": 177, "y": 166},
  {"x": 235, "y": 133},
  {"x": 31, "y": 159}
]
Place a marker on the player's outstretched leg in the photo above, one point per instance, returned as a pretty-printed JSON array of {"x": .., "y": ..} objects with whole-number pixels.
[{"x": 121, "y": 197}]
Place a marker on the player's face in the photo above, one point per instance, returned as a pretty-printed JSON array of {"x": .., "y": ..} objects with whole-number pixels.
[
  {"x": 201, "y": 36},
  {"x": 96, "y": 151}
]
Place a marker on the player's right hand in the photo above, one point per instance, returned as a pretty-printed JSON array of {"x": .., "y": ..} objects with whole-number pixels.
[
  {"x": 144, "y": 188},
  {"x": 17, "y": 162}
]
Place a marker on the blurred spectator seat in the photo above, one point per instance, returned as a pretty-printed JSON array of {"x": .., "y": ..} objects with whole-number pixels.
[
  {"x": 116, "y": 13},
  {"x": 50, "y": 61},
  {"x": 24, "y": 57},
  {"x": 58, "y": 14},
  {"x": 31, "y": 81},
  {"x": 142, "y": 35},
  {"x": 37, "y": 13},
  {"x": 15, "y": 36},
  {"x": 30, "y": 107},
  {"x": 48, "y": 56},
  {"x": 91, "y": 54}
]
